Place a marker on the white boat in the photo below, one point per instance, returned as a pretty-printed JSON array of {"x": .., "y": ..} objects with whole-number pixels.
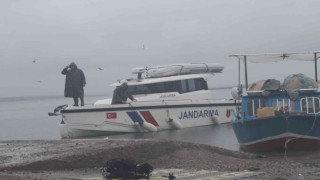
[{"x": 168, "y": 101}]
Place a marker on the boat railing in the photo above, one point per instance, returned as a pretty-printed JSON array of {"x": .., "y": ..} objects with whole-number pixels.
[
  {"x": 249, "y": 92},
  {"x": 260, "y": 107},
  {"x": 184, "y": 100},
  {"x": 310, "y": 105}
]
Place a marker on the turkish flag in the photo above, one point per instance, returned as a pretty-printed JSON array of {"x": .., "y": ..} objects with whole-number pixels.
[{"x": 111, "y": 115}]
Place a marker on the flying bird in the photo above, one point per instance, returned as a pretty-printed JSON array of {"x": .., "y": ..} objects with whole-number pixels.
[
  {"x": 34, "y": 61},
  {"x": 99, "y": 68},
  {"x": 40, "y": 81}
]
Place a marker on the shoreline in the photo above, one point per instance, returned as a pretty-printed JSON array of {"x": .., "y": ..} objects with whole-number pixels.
[{"x": 43, "y": 159}]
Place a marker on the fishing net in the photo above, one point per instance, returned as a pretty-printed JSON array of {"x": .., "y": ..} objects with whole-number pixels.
[
  {"x": 256, "y": 86},
  {"x": 299, "y": 81},
  {"x": 267, "y": 85}
]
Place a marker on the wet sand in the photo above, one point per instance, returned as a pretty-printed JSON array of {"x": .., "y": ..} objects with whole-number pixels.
[{"x": 74, "y": 157}]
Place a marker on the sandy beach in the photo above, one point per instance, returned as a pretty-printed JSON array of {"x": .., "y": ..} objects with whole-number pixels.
[{"x": 55, "y": 159}]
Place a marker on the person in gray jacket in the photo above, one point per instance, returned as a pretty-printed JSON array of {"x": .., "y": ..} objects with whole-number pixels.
[
  {"x": 75, "y": 81},
  {"x": 120, "y": 94}
]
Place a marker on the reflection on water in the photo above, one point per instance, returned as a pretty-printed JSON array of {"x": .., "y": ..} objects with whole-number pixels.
[{"x": 216, "y": 135}]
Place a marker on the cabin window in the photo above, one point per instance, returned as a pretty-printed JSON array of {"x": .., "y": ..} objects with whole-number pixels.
[
  {"x": 181, "y": 86},
  {"x": 201, "y": 84},
  {"x": 254, "y": 104},
  {"x": 283, "y": 105},
  {"x": 310, "y": 105},
  {"x": 191, "y": 85},
  {"x": 184, "y": 86},
  {"x": 138, "y": 90}
]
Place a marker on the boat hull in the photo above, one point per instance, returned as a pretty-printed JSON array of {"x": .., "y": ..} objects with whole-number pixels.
[
  {"x": 279, "y": 133},
  {"x": 141, "y": 117}
]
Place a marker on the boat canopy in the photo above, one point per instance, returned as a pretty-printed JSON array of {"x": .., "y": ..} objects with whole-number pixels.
[{"x": 275, "y": 57}]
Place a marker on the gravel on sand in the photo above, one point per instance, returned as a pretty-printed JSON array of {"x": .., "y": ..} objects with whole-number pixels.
[{"x": 21, "y": 159}]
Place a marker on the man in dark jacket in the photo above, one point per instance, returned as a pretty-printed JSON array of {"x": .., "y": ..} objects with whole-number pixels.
[
  {"x": 120, "y": 94},
  {"x": 75, "y": 81}
]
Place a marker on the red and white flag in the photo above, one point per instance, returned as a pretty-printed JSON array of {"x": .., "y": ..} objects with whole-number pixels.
[{"x": 111, "y": 115}]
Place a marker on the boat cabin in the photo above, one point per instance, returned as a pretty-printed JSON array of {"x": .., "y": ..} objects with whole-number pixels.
[
  {"x": 280, "y": 103},
  {"x": 171, "y": 82},
  {"x": 181, "y": 78},
  {"x": 180, "y": 86}
]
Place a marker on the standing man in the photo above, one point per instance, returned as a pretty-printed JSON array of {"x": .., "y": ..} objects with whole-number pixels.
[
  {"x": 121, "y": 94},
  {"x": 75, "y": 81}
]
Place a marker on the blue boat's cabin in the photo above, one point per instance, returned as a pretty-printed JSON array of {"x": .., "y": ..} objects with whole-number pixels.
[{"x": 280, "y": 103}]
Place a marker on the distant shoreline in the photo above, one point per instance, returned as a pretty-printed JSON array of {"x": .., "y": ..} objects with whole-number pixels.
[{"x": 54, "y": 96}]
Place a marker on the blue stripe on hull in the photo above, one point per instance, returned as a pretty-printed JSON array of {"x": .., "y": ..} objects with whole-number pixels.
[
  {"x": 272, "y": 132},
  {"x": 135, "y": 117}
]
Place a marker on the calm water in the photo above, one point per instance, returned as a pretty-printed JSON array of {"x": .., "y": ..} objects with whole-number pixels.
[{"x": 27, "y": 119}]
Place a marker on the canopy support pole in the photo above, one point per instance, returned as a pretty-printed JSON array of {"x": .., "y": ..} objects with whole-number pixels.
[
  {"x": 245, "y": 71},
  {"x": 239, "y": 73},
  {"x": 316, "y": 66}
]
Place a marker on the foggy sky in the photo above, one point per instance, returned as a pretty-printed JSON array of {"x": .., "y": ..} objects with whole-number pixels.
[{"x": 111, "y": 34}]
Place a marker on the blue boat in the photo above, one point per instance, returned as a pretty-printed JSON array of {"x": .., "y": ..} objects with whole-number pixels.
[{"x": 276, "y": 116}]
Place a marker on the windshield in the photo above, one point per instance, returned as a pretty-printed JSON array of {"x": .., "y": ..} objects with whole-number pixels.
[{"x": 180, "y": 86}]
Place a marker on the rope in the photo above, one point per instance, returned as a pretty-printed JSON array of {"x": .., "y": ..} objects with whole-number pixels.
[
  {"x": 290, "y": 139},
  {"x": 206, "y": 66}
]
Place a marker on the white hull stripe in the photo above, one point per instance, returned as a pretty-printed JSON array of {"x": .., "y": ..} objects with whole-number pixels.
[
  {"x": 284, "y": 135},
  {"x": 146, "y": 107}
]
